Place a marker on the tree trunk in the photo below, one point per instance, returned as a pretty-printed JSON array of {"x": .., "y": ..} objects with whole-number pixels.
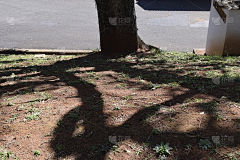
[{"x": 117, "y": 25}]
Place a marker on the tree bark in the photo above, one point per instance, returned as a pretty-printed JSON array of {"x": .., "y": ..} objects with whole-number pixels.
[{"x": 117, "y": 25}]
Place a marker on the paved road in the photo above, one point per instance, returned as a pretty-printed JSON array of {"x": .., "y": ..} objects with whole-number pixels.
[{"x": 60, "y": 24}]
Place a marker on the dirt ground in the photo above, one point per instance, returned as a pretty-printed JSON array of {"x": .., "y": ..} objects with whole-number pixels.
[{"x": 91, "y": 107}]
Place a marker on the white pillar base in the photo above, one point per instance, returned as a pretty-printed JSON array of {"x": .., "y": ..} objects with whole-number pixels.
[{"x": 224, "y": 32}]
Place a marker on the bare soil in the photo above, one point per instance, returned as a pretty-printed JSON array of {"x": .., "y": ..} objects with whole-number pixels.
[{"x": 93, "y": 107}]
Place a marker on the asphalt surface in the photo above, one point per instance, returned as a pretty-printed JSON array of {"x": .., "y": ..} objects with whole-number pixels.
[{"x": 174, "y": 25}]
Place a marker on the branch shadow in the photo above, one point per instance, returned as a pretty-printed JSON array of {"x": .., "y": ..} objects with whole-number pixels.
[{"x": 95, "y": 142}]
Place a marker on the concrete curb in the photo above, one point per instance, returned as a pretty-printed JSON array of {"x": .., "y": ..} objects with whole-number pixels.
[
  {"x": 44, "y": 51},
  {"x": 199, "y": 51}
]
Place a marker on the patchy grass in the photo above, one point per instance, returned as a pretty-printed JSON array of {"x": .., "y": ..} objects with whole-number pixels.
[
  {"x": 4, "y": 154},
  {"x": 149, "y": 105}
]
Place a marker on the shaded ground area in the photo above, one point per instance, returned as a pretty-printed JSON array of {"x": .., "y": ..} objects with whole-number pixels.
[
  {"x": 93, "y": 107},
  {"x": 175, "y": 5}
]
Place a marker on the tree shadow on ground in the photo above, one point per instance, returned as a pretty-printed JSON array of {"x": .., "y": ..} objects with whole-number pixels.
[
  {"x": 95, "y": 142},
  {"x": 175, "y": 5}
]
